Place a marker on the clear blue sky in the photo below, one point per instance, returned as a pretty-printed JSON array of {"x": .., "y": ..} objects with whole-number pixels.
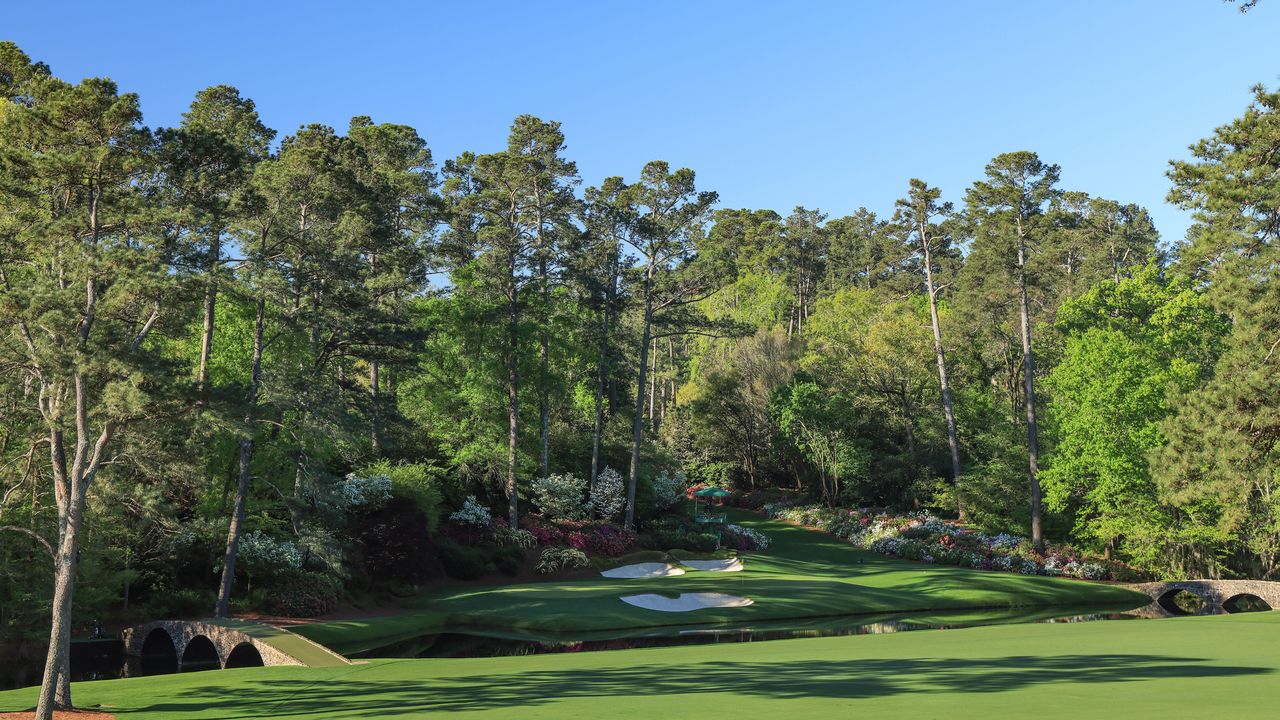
[{"x": 827, "y": 104}]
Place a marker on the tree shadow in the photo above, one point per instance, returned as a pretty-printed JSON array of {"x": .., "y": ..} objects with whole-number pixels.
[{"x": 837, "y": 679}]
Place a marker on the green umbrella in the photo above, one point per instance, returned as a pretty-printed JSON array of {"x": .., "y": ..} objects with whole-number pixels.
[{"x": 712, "y": 492}]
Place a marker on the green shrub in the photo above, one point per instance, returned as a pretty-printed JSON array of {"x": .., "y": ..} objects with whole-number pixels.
[
  {"x": 299, "y": 593},
  {"x": 555, "y": 559},
  {"x": 701, "y": 542},
  {"x": 508, "y": 559},
  {"x": 672, "y": 538},
  {"x": 713, "y": 555},
  {"x": 419, "y": 482},
  {"x": 514, "y": 537},
  {"x": 183, "y": 602},
  {"x": 643, "y": 556},
  {"x": 462, "y": 562},
  {"x": 395, "y": 547},
  {"x": 716, "y": 474}
]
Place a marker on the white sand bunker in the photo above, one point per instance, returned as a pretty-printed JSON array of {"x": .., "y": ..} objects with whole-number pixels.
[
  {"x": 730, "y": 565},
  {"x": 643, "y": 570},
  {"x": 686, "y": 601}
]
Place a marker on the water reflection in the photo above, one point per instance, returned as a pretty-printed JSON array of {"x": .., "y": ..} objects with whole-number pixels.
[{"x": 479, "y": 642}]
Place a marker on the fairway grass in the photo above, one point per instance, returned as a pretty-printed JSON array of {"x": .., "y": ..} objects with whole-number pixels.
[
  {"x": 1186, "y": 667},
  {"x": 805, "y": 574}
]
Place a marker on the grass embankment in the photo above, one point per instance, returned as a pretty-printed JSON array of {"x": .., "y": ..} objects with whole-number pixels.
[
  {"x": 805, "y": 574},
  {"x": 302, "y": 649},
  {"x": 1185, "y": 667}
]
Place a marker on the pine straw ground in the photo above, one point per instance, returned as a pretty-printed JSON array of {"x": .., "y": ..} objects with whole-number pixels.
[{"x": 60, "y": 715}]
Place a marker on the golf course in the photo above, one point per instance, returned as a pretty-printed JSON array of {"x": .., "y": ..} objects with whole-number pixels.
[
  {"x": 572, "y": 360},
  {"x": 1133, "y": 668},
  {"x": 804, "y": 574}
]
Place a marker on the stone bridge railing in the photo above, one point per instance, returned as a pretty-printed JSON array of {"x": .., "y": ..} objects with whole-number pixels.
[
  {"x": 190, "y": 640},
  {"x": 1216, "y": 594}
]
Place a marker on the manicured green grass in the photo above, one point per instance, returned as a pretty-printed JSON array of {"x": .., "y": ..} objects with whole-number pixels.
[
  {"x": 1188, "y": 667},
  {"x": 805, "y": 574},
  {"x": 299, "y": 648}
]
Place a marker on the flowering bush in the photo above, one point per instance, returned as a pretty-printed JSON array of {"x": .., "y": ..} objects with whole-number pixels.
[
  {"x": 555, "y": 559},
  {"x": 543, "y": 534},
  {"x": 472, "y": 513},
  {"x": 745, "y": 538},
  {"x": 609, "y": 540},
  {"x": 609, "y": 495},
  {"x": 514, "y": 537},
  {"x": 258, "y": 552},
  {"x": 260, "y": 555},
  {"x": 924, "y": 538},
  {"x": 595, "y": 538},
  {"x": 669, "y": 489},
  {"x": 357, "y": 492},
  {"x": 561, "y": 496}
]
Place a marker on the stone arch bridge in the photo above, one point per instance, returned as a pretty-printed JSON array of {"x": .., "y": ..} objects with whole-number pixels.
[
  {"x": 196, "y": 644},
  {"x": 1217, "y": 595}
]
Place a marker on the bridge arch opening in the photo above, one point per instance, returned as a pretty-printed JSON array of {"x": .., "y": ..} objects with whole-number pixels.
[
  {"x": 244, "y": 655},
  {"x": 200, "y": 654},
  {"x": 1245, "y": 602},
  {"x": 1180, "y": 601},
  {"x": 159, "y": 655}
]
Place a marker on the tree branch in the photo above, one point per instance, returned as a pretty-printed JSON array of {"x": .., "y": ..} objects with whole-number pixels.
[{"x": 27, "y": 531}]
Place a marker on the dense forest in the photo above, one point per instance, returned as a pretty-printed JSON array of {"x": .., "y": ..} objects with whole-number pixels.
[{"x": 216, "y": 346}]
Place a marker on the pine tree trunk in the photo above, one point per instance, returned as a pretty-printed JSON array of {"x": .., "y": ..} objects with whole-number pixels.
[
  {"x": 637, "y": 426},
  {"x": 948, "y": 412},
  {"x": 70, "y": 487},
  {"x": 375, "y": 412},
  {"x": 55, "y": 690},
  {"x": 1029, "y": 393},
  {"x": 597, "y": 427},
  {"x": 513, "y": 393},
  {"x": 375, "y": 389},
  {"x": 544, "y": 283},
  {"x": 603, "y": 378},
  {"x": 210, "y": 303},
  {"x": 671, "y": 381},
  {"x": 653, "y": 380},
  {"x": 246, "y": 455},
  {"x": 544, "y": 416}
]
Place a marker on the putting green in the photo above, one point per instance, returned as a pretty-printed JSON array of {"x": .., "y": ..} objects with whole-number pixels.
[
  {"x": 1184, "y": 667},
  {"x": 805, "y": 574}
]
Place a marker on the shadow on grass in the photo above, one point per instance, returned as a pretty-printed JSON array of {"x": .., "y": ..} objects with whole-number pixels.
[{"x": 852, "y": 679}]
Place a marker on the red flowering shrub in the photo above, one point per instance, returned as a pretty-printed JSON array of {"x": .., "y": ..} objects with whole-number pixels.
[
  {"x": 609, "y": 540},
  {"x": 596, "y": 538}
]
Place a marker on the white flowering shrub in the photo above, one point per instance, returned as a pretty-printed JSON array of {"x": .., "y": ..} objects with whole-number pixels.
[
  {"x": 609, "y": 495},
  {"x": 514, "y": 537},
  {"x": 669, "y": 489},
  {"x": 555, "y": 559},
  {"x": 260, "y": 553},
  {"x": 357, "y": 492},
  {"x": 472, "y": 513},
  {"x": 757, "y": 539},
  {"x": 561, "y": 497},
  {"x": 1093, "y": 571}
]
